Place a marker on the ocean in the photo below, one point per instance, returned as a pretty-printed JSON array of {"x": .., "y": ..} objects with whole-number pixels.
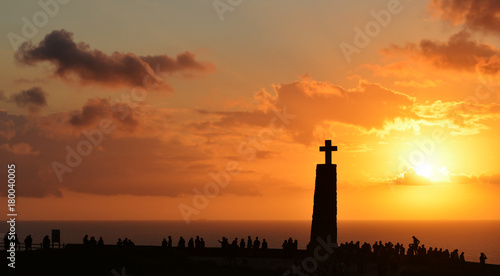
[{"x": 471, "y": 237}]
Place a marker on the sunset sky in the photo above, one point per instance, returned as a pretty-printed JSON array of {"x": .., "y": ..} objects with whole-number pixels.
[{"x": 128, "y": 110}]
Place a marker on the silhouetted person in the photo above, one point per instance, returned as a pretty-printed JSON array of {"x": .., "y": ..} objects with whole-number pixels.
[
  {"x": 415, "y": 242},
  {"x": 28, "y": 241},
  {"x": 202, "y": 243},
  {"x": 182, "y": 243},
  {"x": 191, "y": 245},
  {"x": 454, "y": 258},
  {"x": 482, "y": 259},
  {"x": 462, "y": 260},
  {"x": 242, "y": 243},
  {"x": 264, "y": 244},
  {"x": 249, "y": 243},
  {"x": 295, "y": 246},
  {"x": 86, "y": 241},
  {"x": 233, "y": 251},
  {"x": 234, "y": 244},
  {"x": 197, "y": 243},
  {"x": 169, "y": 245},
  {"x": 46, "y": 242},
  {"x": 100, "y": 243},
  {"x": 164, "y": 243},
  {"x": 119, "y": 243},
  {"x": 256, "y": 243},
  {"x": 92, "y": 242},
  {"x": 224, "y": 244},
  {"x": 125, "y": 242},
  {"x": 423, "y": 251}
]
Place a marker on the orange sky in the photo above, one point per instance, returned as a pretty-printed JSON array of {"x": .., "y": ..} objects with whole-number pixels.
[{"x": 214, "y": 110}]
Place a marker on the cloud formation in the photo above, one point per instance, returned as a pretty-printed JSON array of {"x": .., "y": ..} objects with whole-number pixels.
[
  {"x": 481, "y": 15},
  {"x": 19, "y": 148},
  {"x": 462, "y": 118},
  {"x": 314, "y": 103},
  {"x": 97, "y": 109},
  {"x": 460, "y": 52},
  {"x": 411, "y": 178},
  {"x": 78, "y": 60},
  {"x": 144, "y": 156},
  {"x": 33, "y": 99}
]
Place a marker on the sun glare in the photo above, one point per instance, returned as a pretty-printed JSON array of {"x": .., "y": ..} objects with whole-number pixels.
[{"x": 424, "y": 170}]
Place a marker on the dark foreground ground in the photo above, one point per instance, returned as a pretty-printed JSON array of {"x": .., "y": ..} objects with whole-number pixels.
[{"x": 150, "y": 260}]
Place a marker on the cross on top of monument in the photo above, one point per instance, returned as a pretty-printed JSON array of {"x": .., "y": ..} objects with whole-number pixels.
[{"x": 328, "y": 148}]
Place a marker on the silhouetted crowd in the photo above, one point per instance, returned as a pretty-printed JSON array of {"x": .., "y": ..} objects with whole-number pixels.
[
  {"x": 193, "y": 246},
  {"x": 28, "y": 242},
  {"x": 290, "y": 247},
  {"x": 255, "y": 245},
  {"x": 389, "y": 256},
  {"x": 92, "y": 243},
  {"x": 125, "y": 243}
]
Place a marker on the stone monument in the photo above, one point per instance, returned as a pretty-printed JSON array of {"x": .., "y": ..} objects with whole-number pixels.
[{"x": 324, "y": 219}]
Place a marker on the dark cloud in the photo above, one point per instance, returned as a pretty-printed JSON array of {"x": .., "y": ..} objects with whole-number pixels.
[
  {"x": 93, "y": 66},
  {"x": 33, "y": 99},
  {"x": 184, "y": 61},
  {"x": 483, "y": 15},
  {"x": 460, "y": 52},
  {"x": 97, "y": 109}
]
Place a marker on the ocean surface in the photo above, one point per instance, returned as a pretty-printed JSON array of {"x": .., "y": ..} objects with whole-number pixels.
[{"x": 471, "y": 237}]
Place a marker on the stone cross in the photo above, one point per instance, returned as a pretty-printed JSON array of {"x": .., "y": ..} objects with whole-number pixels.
[{"x": 328, "y": 151}]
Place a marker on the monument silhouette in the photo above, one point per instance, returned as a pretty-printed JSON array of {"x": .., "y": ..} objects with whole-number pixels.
[{"x": 324, "y": 218}]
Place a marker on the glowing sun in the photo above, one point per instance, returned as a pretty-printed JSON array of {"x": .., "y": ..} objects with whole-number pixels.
[{"x": 424, "y": 170}]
